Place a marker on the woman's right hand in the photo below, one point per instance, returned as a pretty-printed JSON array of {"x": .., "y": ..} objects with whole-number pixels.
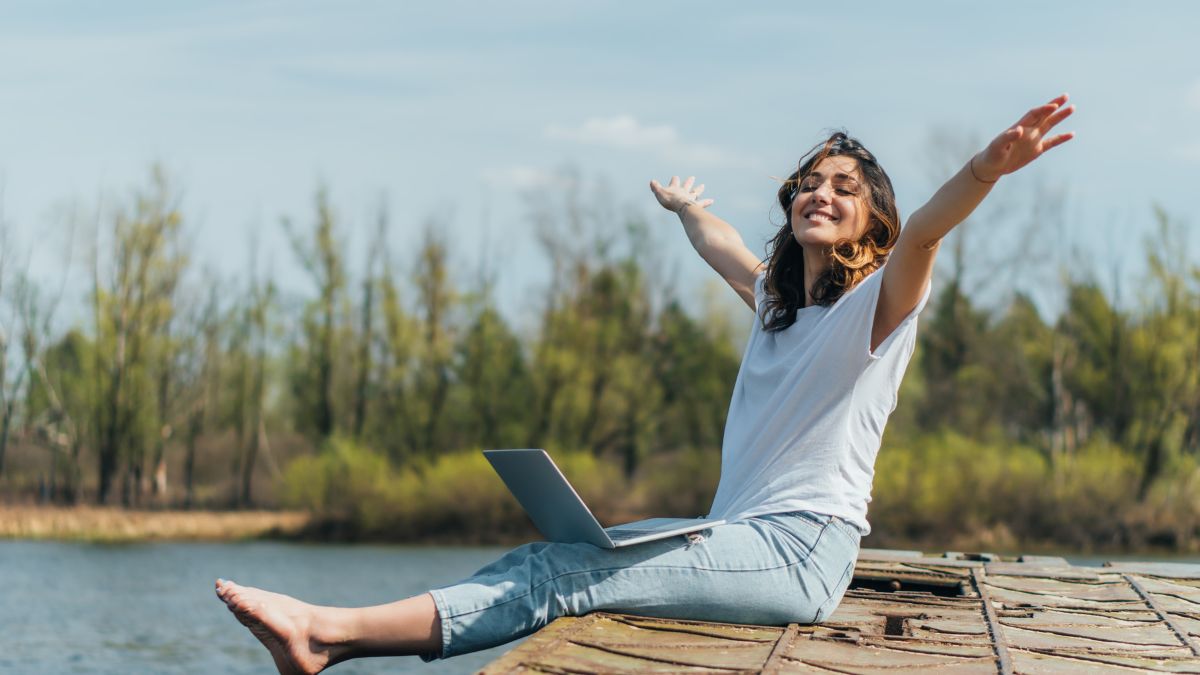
[{"x": 674, "y": 197}]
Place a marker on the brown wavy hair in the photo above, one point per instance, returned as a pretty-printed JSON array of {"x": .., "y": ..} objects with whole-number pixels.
[{"x": 852, "y": 260}]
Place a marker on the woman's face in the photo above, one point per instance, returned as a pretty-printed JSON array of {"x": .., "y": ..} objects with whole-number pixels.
[{"x": 830, "y": 204}]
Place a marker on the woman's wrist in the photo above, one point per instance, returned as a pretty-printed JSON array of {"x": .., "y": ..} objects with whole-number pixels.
[
  {"x": 683, "y": 207},
  {"x": 976, "y": 176}
]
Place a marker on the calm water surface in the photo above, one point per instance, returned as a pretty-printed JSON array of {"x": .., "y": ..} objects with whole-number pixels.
[{"x": 150, "y": 608}]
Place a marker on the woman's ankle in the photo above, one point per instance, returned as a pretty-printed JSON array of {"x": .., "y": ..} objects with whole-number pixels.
[{"x": 331, "y": 630}]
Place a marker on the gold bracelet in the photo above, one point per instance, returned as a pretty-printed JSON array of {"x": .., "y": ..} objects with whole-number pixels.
[{"x": 971, "y": 165}]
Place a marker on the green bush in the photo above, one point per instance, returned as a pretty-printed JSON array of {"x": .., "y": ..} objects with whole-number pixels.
[
  {"x": 937, "y": 491},
  {"x": 943, "y": 485},
  {"x": 455, "y": 497},
  {"x": 678, "y": 484}
]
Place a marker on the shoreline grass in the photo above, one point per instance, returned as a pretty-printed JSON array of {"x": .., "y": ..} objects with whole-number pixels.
[
  {"x": 93, "y": 524},
  {"x": 115, "y": 524}
]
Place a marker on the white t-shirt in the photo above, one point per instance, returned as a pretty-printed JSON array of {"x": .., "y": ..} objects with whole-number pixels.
[{"x": 809, "y": 407}]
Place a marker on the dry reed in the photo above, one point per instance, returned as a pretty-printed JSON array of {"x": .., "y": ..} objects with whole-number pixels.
[{"x": 90, "y": 523}]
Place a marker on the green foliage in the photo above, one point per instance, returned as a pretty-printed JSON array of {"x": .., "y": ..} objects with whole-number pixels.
[
  {"x": 1082, "y": 428},
  {"x": 944, "y": 487},
  {"x": 678, "y": 484},
  {"x": 949, "y": 483},
  {"x": 315, "y": 354},
  {"x": 453, "y": 496}
]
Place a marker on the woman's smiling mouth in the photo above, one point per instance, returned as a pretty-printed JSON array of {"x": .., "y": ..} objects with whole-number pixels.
[{"x": 821, "y": 216}]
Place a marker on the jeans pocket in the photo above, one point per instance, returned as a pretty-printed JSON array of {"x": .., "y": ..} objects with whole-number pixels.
[
  {"x": 806, "y": 520},
  {"x": 847, "y": 530}
]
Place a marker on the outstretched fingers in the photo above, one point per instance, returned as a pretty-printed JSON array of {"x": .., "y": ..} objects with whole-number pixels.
[
  {"x": 1057, "y": 140},
  {"x": 1038, "y": 116},
  {"x": 1056, "y": 117},
  {"x": 676, "y": 193},
  {"x": 1035, "y": 116}
]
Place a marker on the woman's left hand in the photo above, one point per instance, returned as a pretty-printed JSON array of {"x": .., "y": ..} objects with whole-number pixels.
[{"x": 1023, "y": 142}]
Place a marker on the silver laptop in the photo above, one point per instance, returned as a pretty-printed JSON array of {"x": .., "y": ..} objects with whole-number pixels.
[{"x": 560, "y": 514}]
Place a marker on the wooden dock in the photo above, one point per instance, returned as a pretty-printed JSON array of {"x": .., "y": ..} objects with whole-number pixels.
[{"x": 905, "y": 613}]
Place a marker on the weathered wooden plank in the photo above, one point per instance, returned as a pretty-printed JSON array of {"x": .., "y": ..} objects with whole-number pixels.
[
  {"x": 887, "y": 554},
  {"x": 969, "y": 646},
  {"x": 577, "y": 658},
  {"x": 908, "y": 598},
  {"x": 1012, "y": 599},
  {"x": 775, "y": 661},
  {"x": 999, "y": 640},
  {"x": 1017, "y": 569},
  {"x": 1159, "y": 606},
  {"x": 1062, "y": 617},
  {"x": 544, "y": 641},
  {"x": 1184, "y": 588},
  {"x": 1161, "y": 569},
  {"x": 842, "y": 656},
  {"x": 728, "y": 631},
  {"x": 726, "y": 656},
  {"x": 1155, "y": 634},
  {"x": 1060, "y": 664},
  {"x": 942, "y": 565},
  {"x": 1191, "y": 624},
  {"x": 1032, "y": 638},
  {"x": 1037, "y": 616},
  {"x": 1101, "y": 591}
]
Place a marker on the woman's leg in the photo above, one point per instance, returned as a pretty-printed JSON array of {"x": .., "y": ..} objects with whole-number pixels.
[
  {"x": 769, "y": 570},
  {"x": 304, "y": 638}
]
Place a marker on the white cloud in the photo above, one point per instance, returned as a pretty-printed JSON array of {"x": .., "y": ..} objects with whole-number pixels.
[
  {"x": 622, "y": 131},
  {"x": 627, "y": 133},
  {"x": 526, "y": 178}
]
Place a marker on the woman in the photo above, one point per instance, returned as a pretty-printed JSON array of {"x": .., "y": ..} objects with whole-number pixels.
[{"x": 835, "y": 329}]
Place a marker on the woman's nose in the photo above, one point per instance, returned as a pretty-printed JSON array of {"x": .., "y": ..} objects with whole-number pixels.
[{"x": 824, "y": 192}]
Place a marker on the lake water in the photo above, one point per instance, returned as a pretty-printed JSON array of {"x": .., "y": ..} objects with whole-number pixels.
[{"x": 150, "y": 608}]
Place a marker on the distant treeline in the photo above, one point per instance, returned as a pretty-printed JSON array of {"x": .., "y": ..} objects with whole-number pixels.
[{"x": 368, "y": 400}]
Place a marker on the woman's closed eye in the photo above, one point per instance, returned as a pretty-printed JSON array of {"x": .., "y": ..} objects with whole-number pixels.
[
  {"x": 845, "y": 192},
  {"x": 844, "y": 187}
]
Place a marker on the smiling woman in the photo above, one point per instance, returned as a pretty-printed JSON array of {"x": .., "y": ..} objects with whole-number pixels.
[
  {"x": 817, "y": 383},
  {"x": 838, "y": 229}
]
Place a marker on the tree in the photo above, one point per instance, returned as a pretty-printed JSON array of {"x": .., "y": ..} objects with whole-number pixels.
[
  {"x": 436, "y": 301},
  {"x": 314, "y": 356},
  {"x": 491, "y": 367},
  {"x": 132, "y": 303}
]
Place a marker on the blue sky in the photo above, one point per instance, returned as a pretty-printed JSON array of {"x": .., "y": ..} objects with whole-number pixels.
[{"x": 458, "y": 111}]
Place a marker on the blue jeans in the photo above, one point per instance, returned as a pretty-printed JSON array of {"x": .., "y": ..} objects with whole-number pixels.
[{"x": 772, "y": 570}]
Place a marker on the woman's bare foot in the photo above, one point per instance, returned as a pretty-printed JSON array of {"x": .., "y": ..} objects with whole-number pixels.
[{"x": 294, "y": 632}]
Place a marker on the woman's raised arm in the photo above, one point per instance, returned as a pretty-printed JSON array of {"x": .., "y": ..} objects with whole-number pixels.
[
  {"x": 910, "y": 264},
  {"x": 714, "y": 239}
]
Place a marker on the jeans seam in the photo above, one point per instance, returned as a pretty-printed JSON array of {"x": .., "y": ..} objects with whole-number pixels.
[{"x": 820, "y": 610}]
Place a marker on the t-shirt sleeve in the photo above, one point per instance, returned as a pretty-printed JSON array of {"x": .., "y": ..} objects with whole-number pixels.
[
  {"x": 857, "y": 318},
  {"x": 906, "y": 332},
  {"x": 760, "y": 291}
]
